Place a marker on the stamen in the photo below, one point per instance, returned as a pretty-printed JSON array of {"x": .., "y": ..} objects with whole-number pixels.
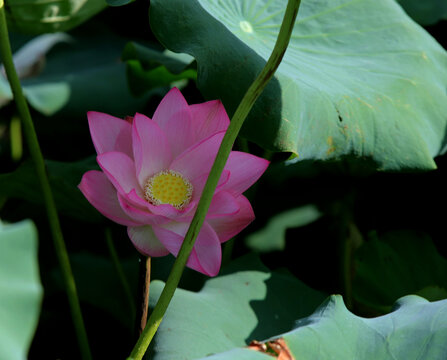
[{"x": 168, "y": 187}]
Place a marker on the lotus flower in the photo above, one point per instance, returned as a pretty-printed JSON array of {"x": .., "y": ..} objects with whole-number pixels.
[{"x": 153, "y": 174}]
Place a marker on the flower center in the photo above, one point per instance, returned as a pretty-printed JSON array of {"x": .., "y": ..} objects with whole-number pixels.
[{"x": 168, "y": 187}]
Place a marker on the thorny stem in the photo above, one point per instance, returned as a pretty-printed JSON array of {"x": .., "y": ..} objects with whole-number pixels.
[
  {"x": 225, "y": 148},
  {"x": 36, "y": 154}
]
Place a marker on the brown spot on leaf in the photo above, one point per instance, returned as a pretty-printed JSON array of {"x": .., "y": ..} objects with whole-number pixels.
[{"x": 275, "y": 348}]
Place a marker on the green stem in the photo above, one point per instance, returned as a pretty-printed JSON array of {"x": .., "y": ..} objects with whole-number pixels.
[
  {"x": 36, "y": 154},
  {"x": 120, "y": 272},
  {"x": 225, "y": 148}
]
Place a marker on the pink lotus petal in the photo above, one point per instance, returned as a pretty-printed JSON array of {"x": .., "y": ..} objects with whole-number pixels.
[
  {"x": 141, "y": 216},
  {"x": 120, "y": 169},
  {"x": 199, "y": 183},
  {"x": 137, "y": 200},
  {"x": 109, "y": 133},
  {"x": 228, "y": 226},
  {"x": 146, "y": 242},
  {"x": 198, "y": 159},
  {"x": 151, "y": 148},
  {"x": 172, "y": 103},
  {"x": 245, "y": 169},
  {"x": 208, "y": 118},
  {"x": 179, "y": 132},
  {"x": 103, "y": 196},
  {"x": 206, "y": 255},
  {"x": 223, "y": 204},
  {"x": 164, "y": 210}
]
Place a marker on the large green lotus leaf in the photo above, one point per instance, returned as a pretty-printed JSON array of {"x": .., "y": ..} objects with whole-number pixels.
[
  {"x": 416, "y": 329},
  {"x": 396, "y": 264},
  {"x": 64, "y": 178},
  {"x": 20, "y": 289},
  {"x": 425, "y": 12},
  {"x": 36, "y": 17},
  {"x": 359, "y": 78},
  {"x": 246, "y": 302},
  {"x": 273, "y": 236}
]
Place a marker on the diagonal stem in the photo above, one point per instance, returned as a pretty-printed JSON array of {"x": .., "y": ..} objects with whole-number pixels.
[
  {"x": 225, "y": 148},
  {"x": 36, "y": 154}
]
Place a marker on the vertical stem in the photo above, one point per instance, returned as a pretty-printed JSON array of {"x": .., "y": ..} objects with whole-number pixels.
[
  {"x": 120, "y": 272},
  {"x": 238, "y": 119},
  {"x": 36, "y": 154}
]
